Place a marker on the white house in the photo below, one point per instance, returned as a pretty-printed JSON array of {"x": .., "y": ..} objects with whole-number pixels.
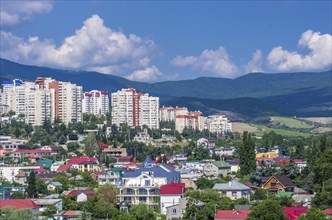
[
  {"x": 54, "y": 186},
  {"x": 233, "y": 189},
  {"x": 170, "y": 195},
  {"x": 44, "y": 203}
]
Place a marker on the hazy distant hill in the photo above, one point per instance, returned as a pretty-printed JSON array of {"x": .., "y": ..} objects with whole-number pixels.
[{"x": 302, "y": 94}]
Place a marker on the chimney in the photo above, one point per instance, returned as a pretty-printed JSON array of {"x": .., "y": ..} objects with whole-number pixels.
[{"x": 230, "y": 183}]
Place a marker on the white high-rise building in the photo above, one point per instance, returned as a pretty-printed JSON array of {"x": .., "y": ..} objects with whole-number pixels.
[
  {"x": 44, "y": 99},
  {"x": 170, "y": 113},
  {"x": 218, "y": 124},
  {"x": 134, "y": 109},
  {"x": 95, "y": 102}
]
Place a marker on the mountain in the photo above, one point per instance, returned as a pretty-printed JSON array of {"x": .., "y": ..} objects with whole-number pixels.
[{"x": 301, "y": 94}]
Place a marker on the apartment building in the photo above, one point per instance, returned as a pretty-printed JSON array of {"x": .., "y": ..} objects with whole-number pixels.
[
  {"x": 218, "y": 124},
  {"x": 170, "y": 113},
  {"x": 194, "y": 120},
  {"x": 134, "y": 108},
  {"x": 95, "y": 102}
]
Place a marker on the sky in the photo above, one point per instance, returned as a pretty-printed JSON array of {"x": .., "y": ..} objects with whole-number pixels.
[{"x": 153, "y": 41}]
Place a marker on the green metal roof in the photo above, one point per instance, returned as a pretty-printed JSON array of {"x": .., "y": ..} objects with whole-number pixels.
[{"x": 280, "y": 194}]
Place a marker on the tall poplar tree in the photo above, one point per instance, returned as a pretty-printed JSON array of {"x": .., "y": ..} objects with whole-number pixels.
[
  {"x": 32, "y": 187},
  {"x": 247, "y": 154}
]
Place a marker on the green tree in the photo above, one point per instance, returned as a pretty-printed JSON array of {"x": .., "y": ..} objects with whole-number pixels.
[
  {"x": 260, "y": 194},
  {"x": 204, "y": 183},
  {"x": 69, "y": 203},
  {"x": 41, "y": 187},
  {"x": 90, "y": 144},
  {"x": 107, "y": 193},
  {"x": 323, "y": 198},
  {"x": 32, "y": 187},
  {"x": 104, "y": 210},
  {"x": 10, "y": 213},
  {"x": 313, "y": 214},
  {"x": 141, "y": 212},
  {"x": 124, "y": 216},
  {"x": 322, "y": 168},
  {"x": 247, "y": 155},
  {"x": 267, "y": 209},
  {"x": 49, "y": 211},
  {"x": 62, "y": 139}
]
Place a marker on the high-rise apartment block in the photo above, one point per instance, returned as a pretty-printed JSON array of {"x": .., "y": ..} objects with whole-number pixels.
[
  {"x": 194, "y": 120},
  {"x": 218, "y": 124},
  {"x": 170, "y": 113},
  {"x": 134, "y": 108},
  {"x": 95, "y": 102},
  {"x": 44, "y": 99}
]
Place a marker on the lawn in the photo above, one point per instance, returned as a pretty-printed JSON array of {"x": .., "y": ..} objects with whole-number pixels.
[
  {"x": 263, "y": 129},
  {"x": 290, "y": 122}
]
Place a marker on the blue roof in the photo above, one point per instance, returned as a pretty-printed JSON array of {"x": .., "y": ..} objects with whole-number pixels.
[
  {"x": 148, "y": 162},
  {"x": 161, "y": 170},
  {"x": 10, "y": 82}
]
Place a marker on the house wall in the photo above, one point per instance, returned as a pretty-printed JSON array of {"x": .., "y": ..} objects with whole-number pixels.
[
  {"x": 168, "y": 200},
  {"x": 268, "y": 184}
]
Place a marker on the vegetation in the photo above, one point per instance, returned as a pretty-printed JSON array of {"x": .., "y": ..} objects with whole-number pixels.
[
  {"x": 267, "y": 209},
  {"x": 247, "y": 155}
]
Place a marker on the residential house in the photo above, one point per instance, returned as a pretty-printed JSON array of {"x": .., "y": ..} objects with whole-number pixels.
[
  {"x": 7, "y": 189},
  {"x": 112, "y": 176},
  {"x": 123, "y": 161},
  {"x": 294, "y": 212},
  {"x": 45, "y": 163},
  {"x": 84, "y": 164},
  {"x": 170, "y": 195},
  {"x": 143, "y": 137},
  {"x": 143, "y": 185},
  {"x": 189, "y": 176},
  {"x": 31, "y": 153},
  {"x": 81, "y": 195},
  {"x": 279, "y": 183},
  {"x": 209, "y": 169},
  {"x": 54, "y": 186},
  {"x": 233, "y": 189},
  {"x": 20, "y": 204},
  {"x": 8, "y": 144},
  {"x": 178, "y": 158},
  {"x": 176, "y": 211},
  {"x": 115, "y": 152},
  {"x": 223, "y": 168},
  {"x": 55, "y": 166},
  {"x": 10, "y": 172},
  {"x": 44, "y": 203},
  {"x": 232, "y": 214},
  {"x": 224, "y": 151},
  {"x": 69, "y": 215},
  {"x": 235, "y": 165}
]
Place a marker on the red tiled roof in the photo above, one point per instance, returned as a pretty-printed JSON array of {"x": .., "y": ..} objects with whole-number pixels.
[
  {"x": 133, "y": 164},
  {"x": 125, "y": 159},
  {"x": 231, "y": 214},
  {"x": 19, "y": 204},
  {"x": 64, "y": 167},
  {"x": 173, "y": 189},
  {"x": 32, "y": 151},
  {"x": 77, "y": 160},
  {"x": 77, "y": 192},
  {"x": 21, "y": 174},
  {"x": 294, "y": 212},
  {"x": 41, "y": 170},
  {"x": 328, "y": 211}
]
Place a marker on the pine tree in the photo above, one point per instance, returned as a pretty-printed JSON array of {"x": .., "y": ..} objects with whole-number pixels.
[{"x": 32, "y": 187}]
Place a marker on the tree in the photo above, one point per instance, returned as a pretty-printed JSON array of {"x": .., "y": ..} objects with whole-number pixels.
[
  {"x": 62, "y": 139},
  {"x": 104, "y": 210},
  {"x": 203, "y": 183},
  {"x": 322, "y": 168},
  {"x": 69, "y": 203},
  {"x": 90, "y": 144},
  {"x": 247, "y": 154},
  {"x": 260, "y": 194},
  {"x": 49, "y": 211},
  {"x": 41, "y": 187},
  {"x": 313, "y": 214},
  {"x": 141, "y": 212},
  {"x": 107, "y": 193},
  {"x": 10, "y": 213},
  {"x": 32, "y": 187},
  {"x": 323, "y": 198},
  {"x": 124, "y": 216},
  {"x": 267, "y": 209}
]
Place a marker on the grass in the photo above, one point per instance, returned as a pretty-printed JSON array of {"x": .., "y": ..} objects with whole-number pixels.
[
  {"x": 290, "y": 122},
  {"x": 263, "y": 129}
]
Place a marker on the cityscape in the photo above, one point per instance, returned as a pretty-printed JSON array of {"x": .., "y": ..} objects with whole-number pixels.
[{"x": 165, "y": 110}]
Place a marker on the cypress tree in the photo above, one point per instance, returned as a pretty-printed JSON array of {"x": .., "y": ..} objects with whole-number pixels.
[
  {"x": 247, "y": 154},
  {"x": 32, "y": 187}
]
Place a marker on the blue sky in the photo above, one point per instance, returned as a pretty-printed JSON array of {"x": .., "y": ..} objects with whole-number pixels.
[{"x": 169, "y": 40}]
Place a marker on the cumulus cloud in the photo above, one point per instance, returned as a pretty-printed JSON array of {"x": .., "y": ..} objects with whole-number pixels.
[
  {"x": 214, "y": 61},
  {"x": 319, "y": 56},
  {"x": 13, "y": 13},
  {"x": 93, "y": 47},
  {"x": 255, "y": 64},
  {"x": 147, "y": 74}
]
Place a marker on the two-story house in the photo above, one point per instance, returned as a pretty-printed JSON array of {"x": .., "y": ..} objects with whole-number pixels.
[
  {"x": 279, "y": 183},
  {"x": 143, "y": 185},
  {"x": 112, "y": 176},
  {"x": 233, "y": 189}
]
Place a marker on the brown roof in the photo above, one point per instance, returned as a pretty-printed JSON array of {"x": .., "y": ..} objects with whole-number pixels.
[{"x": 284, "y": 180}]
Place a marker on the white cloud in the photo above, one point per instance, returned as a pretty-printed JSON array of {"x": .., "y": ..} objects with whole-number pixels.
[
  {"x": 93, "y": 47},
  {"x": 214, "y": 61},
  {"x": 13, "y": 13},
  {"x": 255, "y": 64},
  {"x": 147, "y": 74},
  {"x": 319, "y": 56}
]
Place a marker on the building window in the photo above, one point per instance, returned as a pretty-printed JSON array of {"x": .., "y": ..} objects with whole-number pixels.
[
  {"x": 234, "y": 193},
  {"x": 273, "y": 184},
  {"x": 147, "y": 182},
  {"x": 174, "y": 212}
]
